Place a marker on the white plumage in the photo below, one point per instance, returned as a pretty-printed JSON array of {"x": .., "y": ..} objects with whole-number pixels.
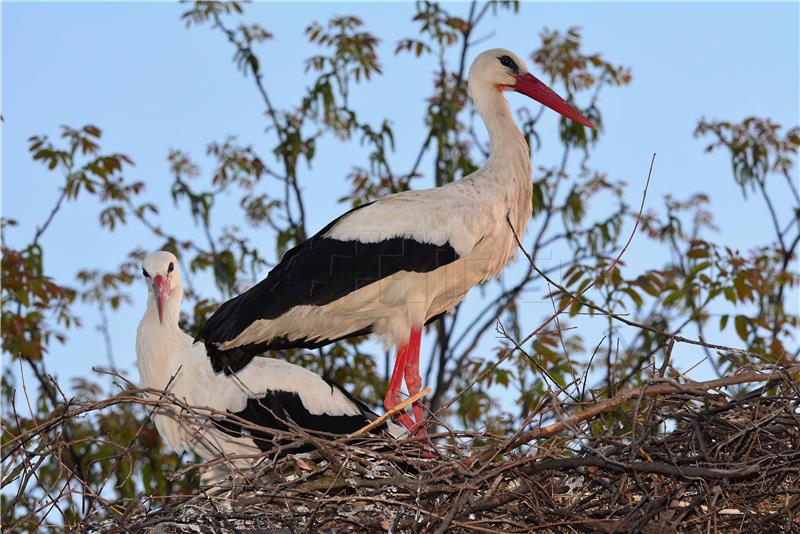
[
  {"x": 392, "y": 266},
  {"x": 168, "y": 359}
]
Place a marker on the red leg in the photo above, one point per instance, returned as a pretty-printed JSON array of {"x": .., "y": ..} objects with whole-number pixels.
[
  {"x": 393, "y": 394},
  {"x": 413, "y": 378}
]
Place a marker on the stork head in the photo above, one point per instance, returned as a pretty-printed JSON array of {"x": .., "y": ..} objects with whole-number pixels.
[
  {"x": 164, "y": 285},
  {"x": 505, "y": 71}
]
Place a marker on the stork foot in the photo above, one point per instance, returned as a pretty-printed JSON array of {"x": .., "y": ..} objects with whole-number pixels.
[
  {"x": 420, "y": 429},
  {"x": 393, "y": 399}
]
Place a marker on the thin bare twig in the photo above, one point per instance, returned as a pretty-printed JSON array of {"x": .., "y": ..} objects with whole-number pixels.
[{"x": 391, "y": 413}]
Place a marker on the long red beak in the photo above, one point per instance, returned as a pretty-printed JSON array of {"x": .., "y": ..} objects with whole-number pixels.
[
  {"x": 161, "y": 288},
  {"x": 528, "y": 84}
]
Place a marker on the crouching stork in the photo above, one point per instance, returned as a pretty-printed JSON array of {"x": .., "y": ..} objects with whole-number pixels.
[
  {"x": 265, "y": 393},
  {"x": 396, "y": 264}
]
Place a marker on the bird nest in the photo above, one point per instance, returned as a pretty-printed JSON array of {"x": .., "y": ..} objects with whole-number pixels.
[{"x": 666, "y": 457}]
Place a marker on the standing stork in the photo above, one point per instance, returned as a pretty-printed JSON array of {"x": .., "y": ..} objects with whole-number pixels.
[
  {"x": 398, "y": 263},
  {"x": 242, "y": 407}
]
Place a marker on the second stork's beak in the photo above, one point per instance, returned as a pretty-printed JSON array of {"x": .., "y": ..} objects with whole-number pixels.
[
  {"x": 529, "y": 85},
  {"x": 161, "y": 289}
]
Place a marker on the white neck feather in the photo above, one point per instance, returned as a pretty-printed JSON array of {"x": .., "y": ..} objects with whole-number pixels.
[
  {"x": 504, "y": 137},
  {"x": 161, "y": 348},
  {"x": 509, "y": 162}
]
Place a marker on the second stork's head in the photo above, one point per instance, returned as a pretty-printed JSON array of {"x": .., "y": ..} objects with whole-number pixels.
[
  {"x": 164, "y": 286},
  {"x": 501, "y": 70}
]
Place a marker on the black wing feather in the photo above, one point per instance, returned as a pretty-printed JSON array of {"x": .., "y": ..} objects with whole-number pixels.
[
  {"x": 280, "y": 410},
  {"x": 315, "y": 272}
]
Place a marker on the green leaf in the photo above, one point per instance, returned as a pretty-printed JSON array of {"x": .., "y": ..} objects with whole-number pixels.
[
  {"x": 741, "y": 326},
  {"x": 699, "y": 267},
  {"x": 674, "y": 296},
  {"x": 635, "y": 297},
  {"x": 646, "y": 284},
  {"x": 696, "y": 253},
  {"x": 730, "y": 294}
]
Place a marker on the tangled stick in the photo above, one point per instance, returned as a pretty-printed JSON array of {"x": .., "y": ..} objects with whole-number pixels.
[
  {"x": 728, "y": 463},
  {"x": 660, "y": 387},
  {"x": 391, "y": 413}
]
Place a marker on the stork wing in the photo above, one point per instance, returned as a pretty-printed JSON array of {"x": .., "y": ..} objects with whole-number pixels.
[
  {"x": 401, "y": 232},
  {"x": 275, "y": 394}
]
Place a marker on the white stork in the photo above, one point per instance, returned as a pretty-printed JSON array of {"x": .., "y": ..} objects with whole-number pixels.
[
  {"x": 266, "y": 392},
  {"x": 394, "y": 265}
]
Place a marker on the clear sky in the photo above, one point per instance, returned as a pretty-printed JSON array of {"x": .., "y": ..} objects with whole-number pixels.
[{"x": 152, "y": 85}]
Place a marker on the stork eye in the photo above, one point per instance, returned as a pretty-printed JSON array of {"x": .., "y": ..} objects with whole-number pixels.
[
  {"x": 171, "y": 267},
  {"x": 506, "y": 61},
  {"x": 145, "y": 273}
]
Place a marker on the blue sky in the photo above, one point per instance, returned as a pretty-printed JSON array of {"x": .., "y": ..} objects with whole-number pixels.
[{"x": 152, "y": 85}]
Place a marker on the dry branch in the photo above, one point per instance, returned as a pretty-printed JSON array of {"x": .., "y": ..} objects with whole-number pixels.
[
  {"x": 652, "y": 389},
  {"x": 391, "y": 413},
  {"x": 723, "y": 463}
]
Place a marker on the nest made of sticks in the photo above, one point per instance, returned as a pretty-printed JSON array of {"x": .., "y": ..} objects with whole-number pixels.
[{"x": 679, "y": 458}]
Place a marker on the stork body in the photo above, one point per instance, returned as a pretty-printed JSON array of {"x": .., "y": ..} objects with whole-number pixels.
[
  {"x": 396, "y": 264},
  {"x": 266, "y": 392}
]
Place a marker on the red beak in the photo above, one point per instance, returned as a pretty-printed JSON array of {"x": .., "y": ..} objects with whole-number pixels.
[
  {"x": 528, "y": 84},
  {"x": 161, "y": 288}
]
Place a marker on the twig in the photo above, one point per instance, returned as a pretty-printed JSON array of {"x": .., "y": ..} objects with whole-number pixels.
[
  {"x": 400, "y": 407},
  {"x": 646, "y": 390}
]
